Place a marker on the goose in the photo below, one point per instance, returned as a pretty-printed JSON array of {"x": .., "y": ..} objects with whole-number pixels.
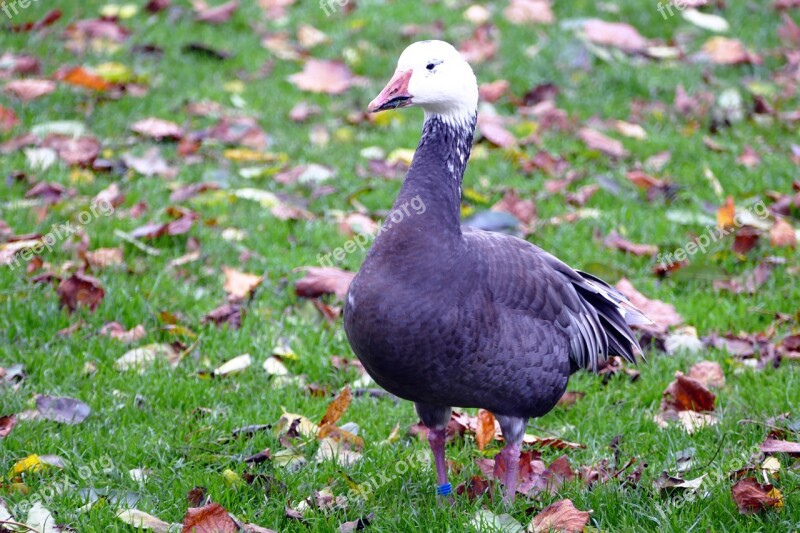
[{"x": 445, "y": 315}]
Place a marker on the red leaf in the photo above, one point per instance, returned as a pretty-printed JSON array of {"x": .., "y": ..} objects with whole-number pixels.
[{"x": 209, "y": 519}]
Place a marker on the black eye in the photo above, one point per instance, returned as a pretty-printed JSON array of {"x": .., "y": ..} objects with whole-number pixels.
[{"x": 430, "y": 66}]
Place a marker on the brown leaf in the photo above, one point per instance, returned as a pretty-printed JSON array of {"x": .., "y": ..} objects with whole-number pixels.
[
  {"x": 7, "y": 423},
  {"x": 529, "y": 12},
  {"x": 209, "y": 519},
  {"x": 73, "y": 150},
  {"x": 105, "y": 257},
  {"x": 751, "y": 282},
  {"x": 485, "y": 430},
  {"x": 615, "y": 34},
  {"x": 475, "y": 487},
  {"x": 115, "y": 330},
  {"x": 582, "y": 195},
  {"x": 492, "y": 129},
  {"x": 781, "y": 446},
  {"x": 749, "y": 158},
  {"x": 239, "y": 285},
  {"x": 727, "y": 51},
  {"x": 708, "y": 373},
  {"x": 663, "y": 314},
  {"x": 482, "y": 45},
  {"x": 789, "y": 31},
  {"x": 336, "y": 408},
  {"x": 560, "y": 516},
  {"x": 751, "y": 496},
  {"x": 323, "y": 280},
  {"x": 157, "y": 128},
  {"x": 217, "y": 14},
  {"x": 323, "y": 76},
  {"x": 492, "y": 92},
  {"x": 30, "y": 89},
  {"x": 570, "y": 398},
  {"x": 597, "y": 141},
  {"x": 687, "y": 394},
  {"x": 782, "y": 234},
  {"x": 615, "y": 240},
  {"x": 8, "y": 119},
  {"x": 80, "y": 289},
  {"x": 745, "y": 240},
  {"x": 230, "y": 314},
  {"x": 523, "y": 210}
]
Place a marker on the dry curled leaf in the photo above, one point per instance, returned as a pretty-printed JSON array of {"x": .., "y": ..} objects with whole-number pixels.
[
  {"x": 212, "y": 518},
  {"x": 323, "y": 280},
  {"x": 484, "y": 433},
  {"x": 597, "y": 141},
  {"x": 687, "y": 394},
  {"x": 615, "y": 240},
  {"x": 751, "y": 496},
  {"x": 157, "y": 128},
  {"x": 239, "y": 285},
  {"x": 560, "y": 516},
  {"x": 708, "y": 373},
  {"x": 615, "y": 34},
  {"x": 30, "y": 89},
  {"x": 80, "y": 289},
  {"x": 336, "y": 408}
]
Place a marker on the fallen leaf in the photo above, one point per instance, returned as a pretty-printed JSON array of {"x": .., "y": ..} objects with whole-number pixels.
[
  {"x": 80, "y": 289},
  {"x": 708, "y": 373},
  {"x": 750, "y": 496},
  {"x": 726, "y": 213},
  {"x": 211, "y": 518},
  {"x": 529, "y": 12},
  {"x": 662, "y": 314},
  {"x": 157, "y": 128},
  {"x": 485, "y": 430},
  {"x": 687, "y": 394},
  {"x": 615, "y": 240},
  {"x": 235, "y": 365},
  {"x": 142, "y": 520},
  {"x": 80, "y": 77},
  {"x": 523, "y": 209},
  {"x": 30, "y": 89},
  {"x": 7, "y": 424},
  {"x": 726, "y": 51},
  {"x": 597, "y": 141},
  {"x": 323, "y": 76},
  {"x": 239, "y": 285},
  {"x": 230, "y": 314},
  {"x": 781, "y": 446},
  {"x": 336, "y": 408},
  {"x": 140, "y": 358},
  {"x": 105, "y": 257},
  {"x": 41, "y": 520},
  {"x": 117, "y": 331},
  {"x": 217, "y": 14},
  {"x": 323, "y": 280},
  {"x": 615, "y": 34},
  {"x": 63, "y": 410},
  {"x": 559, "y": 516},
  {"x": 782, "y": 234}
]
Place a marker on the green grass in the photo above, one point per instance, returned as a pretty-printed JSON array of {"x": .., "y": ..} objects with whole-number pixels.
[{"x": 165, "y": 434}]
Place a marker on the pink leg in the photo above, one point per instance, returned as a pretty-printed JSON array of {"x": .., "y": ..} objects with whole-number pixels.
[
  {"x": 436, "y": 438},
  {"x": 511, "y": 458}
]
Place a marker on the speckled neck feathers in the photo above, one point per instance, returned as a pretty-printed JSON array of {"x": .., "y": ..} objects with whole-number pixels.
[{"x": 437, "y": 169}]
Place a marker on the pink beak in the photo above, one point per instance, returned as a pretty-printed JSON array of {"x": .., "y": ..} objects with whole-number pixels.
[{"x": 394, "y": 95}]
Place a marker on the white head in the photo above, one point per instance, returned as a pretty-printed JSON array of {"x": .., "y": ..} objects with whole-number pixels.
[{"x": 432, "y": 75}]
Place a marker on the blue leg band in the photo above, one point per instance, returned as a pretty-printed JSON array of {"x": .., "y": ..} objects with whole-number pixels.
[{"x": 444, "y": 490}]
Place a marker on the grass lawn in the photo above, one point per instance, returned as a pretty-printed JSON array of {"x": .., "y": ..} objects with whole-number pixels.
[{"x": 174, "y": 422}]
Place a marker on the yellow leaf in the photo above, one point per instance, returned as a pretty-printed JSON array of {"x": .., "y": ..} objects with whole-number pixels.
[
  {"x": 232, "y": 479},
  {"x": 32, "y": 463},
  {"x": 245, "y": 154},
  {"x": 776, "y": 494}
]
